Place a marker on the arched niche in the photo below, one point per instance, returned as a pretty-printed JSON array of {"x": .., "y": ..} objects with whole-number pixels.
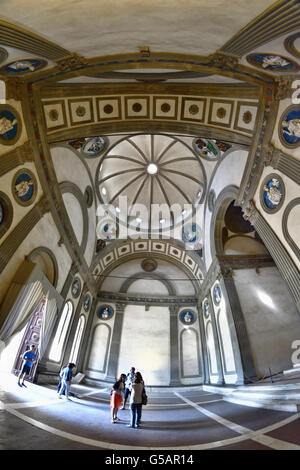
[
  {"x": 46, "y": 261},
  {"x": 231, "y": 234}
]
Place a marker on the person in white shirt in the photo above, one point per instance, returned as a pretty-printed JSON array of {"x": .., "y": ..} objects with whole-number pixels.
[{"x": 137, "y": 388}]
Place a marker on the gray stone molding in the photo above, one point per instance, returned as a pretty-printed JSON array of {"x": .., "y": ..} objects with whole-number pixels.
[
  {"x": 16, "y": 157},
  {"x": 216, "y": 340},
  {"x": 174, "y": 348},
  {"x": 8, "y": 213},
  {"x": 264, "y": 131},
  {"x": 112, "y": 366},
  {"x": 285, "y": 264},
  {"x": 287, "y": 236},
  {"x": 138, "y": 299},
  {"x": 69, "y": 187},
  {"x": 265, "y": 28},
  {"x": 44, "y": 249},
  {"x": 279, "y": 160},
  {"x": 228, "y": 194},
  {"x": 20, "y": 232},
  {"x": 203, "y": 342}
]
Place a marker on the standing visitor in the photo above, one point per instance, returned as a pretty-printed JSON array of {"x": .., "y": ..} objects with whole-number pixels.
[
  {"x": 66, "y": 377},
  {"x": 116, "y": 397},
  {"x": 29, "y": 358},
  {"x": 137, "y": 388},
  {"x": 128, "y": 382}
]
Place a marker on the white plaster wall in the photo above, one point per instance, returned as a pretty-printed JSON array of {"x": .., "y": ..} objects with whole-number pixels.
[
  {"x": 9, "y": 354},
  {"x": 271, "y": 318},
  {"x": 244, "y": 245},
  {"x": 275, "y": 220},
  {"x": 75, "y": 214},
  {"x": 162, "y": 26},
  {"x": 229, "y": 172},
  {"x": 148, "y": 285},
  {"x": 145, "y": 343},
  {"x": 43, "y": 234},
  {"x": 69, "y": 167}
]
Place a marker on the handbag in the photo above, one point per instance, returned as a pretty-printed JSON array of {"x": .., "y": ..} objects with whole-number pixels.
[{"x": 144, "y": 397}]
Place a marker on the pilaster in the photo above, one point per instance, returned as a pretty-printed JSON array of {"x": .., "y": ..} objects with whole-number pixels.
[{"x": 112, "y": 366}]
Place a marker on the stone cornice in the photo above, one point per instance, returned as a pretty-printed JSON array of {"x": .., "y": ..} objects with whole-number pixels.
[
  {"x": 138, "y": 299},
  {"x": 16, "y": 157},
  {"x": 281, "y": 161}
]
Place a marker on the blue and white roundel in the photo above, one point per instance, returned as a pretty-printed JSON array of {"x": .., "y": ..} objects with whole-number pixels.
[
  {"x": 191, "y": 233},
  {"x": 217, "y": 294},
  {"x": 187, "y": 317}
]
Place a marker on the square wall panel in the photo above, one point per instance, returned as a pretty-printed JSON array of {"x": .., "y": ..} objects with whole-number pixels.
[
  {"x": 165, "y": 107},
  {"x": 220, "y": 112},
  {"x": 176, "y": 252},
  {"x": 137, "y": 107},
  {"x": 193, "y": 109},
  {"x": 81, "y": 111},
  {"x": 124, "y": 250},
  {"x": 55, "y": 114},
  {"x": 245, "y": 117},
  {"x": 108, "y": 108}
]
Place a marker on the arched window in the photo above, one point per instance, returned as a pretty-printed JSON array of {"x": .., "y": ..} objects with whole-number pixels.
[
  {"x": 58, "y": 342},
  {"x": 77, "y": 339}
]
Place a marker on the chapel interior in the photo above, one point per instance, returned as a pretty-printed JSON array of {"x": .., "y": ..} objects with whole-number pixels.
[{"x": 150, "y": 217}]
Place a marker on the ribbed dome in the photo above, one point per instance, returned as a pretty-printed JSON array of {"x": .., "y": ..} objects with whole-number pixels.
[{"x": 151, "y": 170}]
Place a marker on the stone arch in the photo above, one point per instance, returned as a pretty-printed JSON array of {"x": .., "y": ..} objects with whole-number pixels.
[{"x": 46, "y": 260}]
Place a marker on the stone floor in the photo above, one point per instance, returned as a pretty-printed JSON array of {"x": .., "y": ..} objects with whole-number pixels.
[{"x": 187, "y": 419}]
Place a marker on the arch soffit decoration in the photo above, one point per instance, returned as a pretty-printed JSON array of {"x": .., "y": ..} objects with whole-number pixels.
[
  {"x": 226, "y": 196},
  {"x": 105, "y": 271},
  {"x": 69, "y": 187}
]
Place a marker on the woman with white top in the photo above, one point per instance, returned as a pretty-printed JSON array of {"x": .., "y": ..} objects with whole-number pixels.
[{"x": 137, "y": 388}]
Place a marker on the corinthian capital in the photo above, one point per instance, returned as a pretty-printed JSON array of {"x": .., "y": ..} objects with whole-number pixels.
[
  {"x": 250, "y": 212},
  {"x": 283, "y": 88},
  {"x": 271, "y": 155}
]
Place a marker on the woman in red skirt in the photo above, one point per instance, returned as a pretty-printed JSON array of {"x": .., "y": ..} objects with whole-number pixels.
[{"x": 116, "y": 397}]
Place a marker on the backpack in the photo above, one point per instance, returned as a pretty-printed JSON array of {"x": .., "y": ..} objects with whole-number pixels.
[{"x": 144, "y": 397}]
